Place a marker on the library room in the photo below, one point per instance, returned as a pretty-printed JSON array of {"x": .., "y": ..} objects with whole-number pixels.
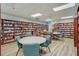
[{"x": 39, "y": 29}]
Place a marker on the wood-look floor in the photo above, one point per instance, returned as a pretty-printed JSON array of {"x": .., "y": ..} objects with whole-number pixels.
[{"x": 64, "y": 47}]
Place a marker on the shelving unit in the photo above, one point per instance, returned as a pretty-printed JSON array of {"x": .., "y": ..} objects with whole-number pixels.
[
  {"x": 76, "y": 34},
  {"x": 66, "y": 28},
  {"x": 8, "y": 31},
  {"x": 75, "y": 31},
  {"x": 78, "y": 39},
  {"x": 0, "y": 35},
  {"x": 12, "y": 28}
]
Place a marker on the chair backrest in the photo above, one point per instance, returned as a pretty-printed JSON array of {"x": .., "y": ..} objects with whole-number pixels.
[
  {"x": 48, "y": 39},
  {"x": 51, "y": 33},
  {"x": 28, "y": 34},
  {"x": 17, "y": 40},
  {"x": 31, "y": 49}
]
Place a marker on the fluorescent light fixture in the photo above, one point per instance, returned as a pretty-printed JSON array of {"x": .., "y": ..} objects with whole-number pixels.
[
  {"x": 36, "y": 15},
  {"x": 48, "y": 20},
  {"x": 66, "y": 17},
  {"x": 64, "y": 6}
]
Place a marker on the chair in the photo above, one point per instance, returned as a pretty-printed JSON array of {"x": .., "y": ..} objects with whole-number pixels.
[
  {"x": 55, "y": 36},
  {"x": 31, "y": 49},
  {"x": 48, "y": 37},
  {"x": 28, "y": 34},
  {"x": 19, "y": 44},
  {"x": 46, "y": 44}
]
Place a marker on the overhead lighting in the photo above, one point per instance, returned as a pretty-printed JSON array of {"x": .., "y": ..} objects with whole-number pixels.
[
  {"x": 64, "y": 6},
  {"x": 48, "y": 20},
  {"x": 66, "y": 17},
  {"x": 36, "y": 15}
]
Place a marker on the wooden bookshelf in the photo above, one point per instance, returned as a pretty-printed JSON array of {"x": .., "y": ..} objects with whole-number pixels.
[
  {"x": 75, "y": 31},
  {"x": 76, "y": 34},
  {"x": 67, "y": 29},
  {"x": 12, "y": 28},
  {"x": 78, "y": 39},
  {"x": 8, "y": 31},
  {"x": 0, "y": 37}
]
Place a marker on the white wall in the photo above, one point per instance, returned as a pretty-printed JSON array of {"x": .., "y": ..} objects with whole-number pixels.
[{"x": 11, "y": 17}]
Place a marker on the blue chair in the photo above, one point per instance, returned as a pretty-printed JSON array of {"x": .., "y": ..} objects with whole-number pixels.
[
  {"x": 48, "y": 37},
  {"x": 19, "y": 44},
  {"x": 28, "y": 34},
  {"x": 46, "y": 44},
  {"x": 31, "y": 49}
]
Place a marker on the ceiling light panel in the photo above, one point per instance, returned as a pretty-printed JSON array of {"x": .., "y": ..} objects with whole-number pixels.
[
  {"x": 64, "y": 6},
  {"x": 36, "y": 15},
  {"x": 66, "y": 17}
]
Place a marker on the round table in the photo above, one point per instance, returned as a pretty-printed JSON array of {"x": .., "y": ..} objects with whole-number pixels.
[{"x": 32, "y": 40}]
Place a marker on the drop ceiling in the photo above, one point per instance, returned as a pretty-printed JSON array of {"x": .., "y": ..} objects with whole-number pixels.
[{"x": 25, "y": 10}]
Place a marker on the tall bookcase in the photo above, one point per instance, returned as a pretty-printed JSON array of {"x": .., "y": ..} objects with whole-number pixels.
[
  {"x": 76, "y": 34},
  {"x": 12, "y": 28},
  {"x": 66, "y": 28},
  {"x": 0, "y": 35},
  {"x": 75, "y": 31},
  {"x": 8, "y": 31},
  {"x": 78, "y": 39}
]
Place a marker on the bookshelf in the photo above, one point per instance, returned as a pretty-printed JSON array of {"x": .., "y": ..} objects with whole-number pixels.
[
  {"x": 76, "y": 34},
  {"x": 0, "y": 37},
  {"x": 8, "y": 31},
  {"x": 12, "y": 28},
  {"x": 78, "y": 39},
  {"x": 75, "y": 31},
  {"x": 0, "y": 32},
  {"x": 67, "y": 29}
]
